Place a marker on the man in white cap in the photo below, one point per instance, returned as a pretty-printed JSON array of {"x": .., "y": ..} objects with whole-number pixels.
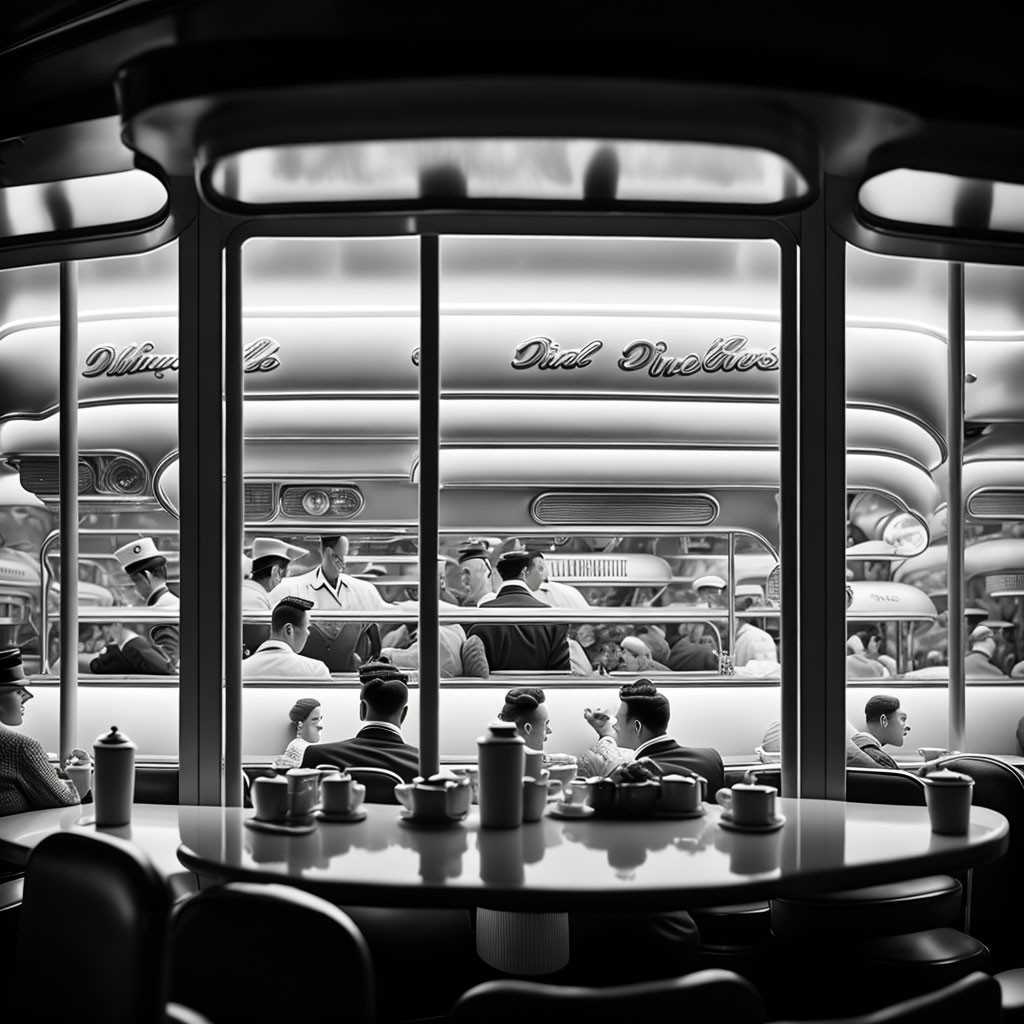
[
  {"x": 270, "y": 560},
  {"x": 126, "y": 651},
  {"x": 978, "y": 661},
  {"x": 752, "y": 643},
  {"x": 709, "y": 591},
  {"x": 281, "y": 657}
]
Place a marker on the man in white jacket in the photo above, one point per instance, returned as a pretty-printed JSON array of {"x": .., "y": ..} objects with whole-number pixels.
[{"x": 280, "y": 657}]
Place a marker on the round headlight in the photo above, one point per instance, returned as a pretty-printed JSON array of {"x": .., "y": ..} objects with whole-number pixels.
[
  {"x": 123, "y": 476},
  {"x": 906, "y": 534},
  {"x": 316, "y": 502}
]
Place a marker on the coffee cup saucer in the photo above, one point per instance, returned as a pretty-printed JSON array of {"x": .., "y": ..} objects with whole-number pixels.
[
  {"x": 280, "y": 827},
  {"x": 727, "y": 823},
  {"x": 406, "y": 817},
  {"x": 340, "y": 819},
  {"x": 569, "y": 812},
  {"x": 660, "y": 812}
]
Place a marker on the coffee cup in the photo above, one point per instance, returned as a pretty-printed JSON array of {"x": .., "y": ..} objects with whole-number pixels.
[
  {"x": 303, "y": 792},
  {"x": 932, "y": 753},
  {"x": 341, "y": 794},
  {"x": 561, "y": 767},
  {"x": 680, "y": 794},
  {"x": 535, "y": 796},
  {"x": 637, "y": 799},
  {"x": 601, "y": 794},
  {"x": 574, "y": 793},
  {"x": 81, "y": 776},
  {"x": 434, "y": 801},
  {"x": 948, "y": 796},
  {"x": 472, "y": 775},
  {"x": 749, "y": 803},
  {"x": 270, "y": 798}
]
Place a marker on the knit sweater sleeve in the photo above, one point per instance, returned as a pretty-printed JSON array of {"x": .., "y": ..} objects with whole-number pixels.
[{"x": 38, "y": 779}]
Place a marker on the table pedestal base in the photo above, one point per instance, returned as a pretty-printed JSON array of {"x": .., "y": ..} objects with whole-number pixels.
[{"x": 522, "y": 943}]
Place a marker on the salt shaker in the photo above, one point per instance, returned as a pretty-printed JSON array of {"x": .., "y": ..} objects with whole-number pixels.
[
  {"x": 113, "y": 783},
  {"x": 502, "y": 761}
]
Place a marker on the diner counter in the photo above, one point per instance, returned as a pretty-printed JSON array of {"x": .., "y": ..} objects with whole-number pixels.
[{"x": 551, "y": 865}]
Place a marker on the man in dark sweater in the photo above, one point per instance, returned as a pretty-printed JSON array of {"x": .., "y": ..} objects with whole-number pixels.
[{"x": 383, "y": 705}]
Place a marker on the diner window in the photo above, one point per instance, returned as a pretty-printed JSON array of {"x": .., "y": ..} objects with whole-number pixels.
[
  {"x": 897, "y": 371},
  {"x": 612, "y": 405},
  {"x": 126, "y": 381}
]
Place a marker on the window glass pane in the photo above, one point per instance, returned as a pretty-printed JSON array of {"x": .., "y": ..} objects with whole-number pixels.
[
  {"x": 612, "y": 404},
  {"x": 127, "y": 430},
  {"x": 331, "y": 334}
]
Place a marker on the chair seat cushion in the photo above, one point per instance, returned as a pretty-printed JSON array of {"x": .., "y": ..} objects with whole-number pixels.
[
  {"x": 738, "y": 924},
  {"x": 1011, "y": 985},
  {"x": 892, "y": 909},
  {"x": 942, "y": 955}
]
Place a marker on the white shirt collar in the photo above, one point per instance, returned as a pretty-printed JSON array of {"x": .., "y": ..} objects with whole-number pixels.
[
  {"x": 320, "y": 580},
  {"x": 643, "y": 746},
  {"x": 390, "y": 726}
]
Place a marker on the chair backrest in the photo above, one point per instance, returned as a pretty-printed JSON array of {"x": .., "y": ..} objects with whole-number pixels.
[
  {"x": 884, "y": 786},
  {"x": 379, "y": 782},
  {"x": 95, "y": 904},
  {"x": 997, "y": 886},
  {"x": 241, "y": 951},
  {"x": 704, "y": 995},
  {"x": 975, "y": 998}
]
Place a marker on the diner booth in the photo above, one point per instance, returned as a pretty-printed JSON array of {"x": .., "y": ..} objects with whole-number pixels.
[{"x": 661, "y": 326}]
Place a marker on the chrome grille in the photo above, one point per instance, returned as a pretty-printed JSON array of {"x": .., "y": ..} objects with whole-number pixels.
[
  {"x": 1005, "y": 584},
  {"x": 997, "y": 504},
  {"x": 41, "y": 476},
  {"x": 259, "y": 500},
  {"x": 643, "y": 509}
]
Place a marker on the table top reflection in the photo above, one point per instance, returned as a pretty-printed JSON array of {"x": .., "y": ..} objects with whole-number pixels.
[{"x": 551, "y": 864}]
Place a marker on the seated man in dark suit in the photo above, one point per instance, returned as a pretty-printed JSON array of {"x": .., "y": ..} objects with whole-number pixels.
[
  {"x": 642, "y": 723},
  {"x": 383, "y": 705},
  {"x": 520, "y": 646}
]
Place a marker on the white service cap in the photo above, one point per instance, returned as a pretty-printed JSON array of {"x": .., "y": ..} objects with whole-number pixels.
[
  {"x": 267, "y": 547},
  {"x": 133, "y": 554},
  {"x": 708, "y": 581}
]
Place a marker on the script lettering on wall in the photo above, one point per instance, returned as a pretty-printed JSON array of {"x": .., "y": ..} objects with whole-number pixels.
[
  {"x": 259, "y": 356},
  {"x": 725, "y": 355}
]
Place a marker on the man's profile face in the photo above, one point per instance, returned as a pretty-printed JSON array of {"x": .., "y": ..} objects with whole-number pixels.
[
  {"x": 299, "y": 634},
  {"x": 535, "y": 573},
  {"x": 625, "y": 727},
  {"x": 334, "y": 557},
  {"x": 476, "y": 577},
  {"x": 893, "y": 728}
]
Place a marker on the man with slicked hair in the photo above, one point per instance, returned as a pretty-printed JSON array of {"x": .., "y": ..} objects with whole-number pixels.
[
  {"x": 281, "y": 656},
  {"x": 383, "y": 705}
]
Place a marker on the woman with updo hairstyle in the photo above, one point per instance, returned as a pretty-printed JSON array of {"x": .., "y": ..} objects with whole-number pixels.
[
  {"x": 525, "y": 706},
  {"x": 307, "y": 719}
]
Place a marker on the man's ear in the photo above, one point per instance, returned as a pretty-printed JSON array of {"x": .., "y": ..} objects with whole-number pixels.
[
  {"x": 405, "y": 711},
  {"x": 362, "y": 711}
]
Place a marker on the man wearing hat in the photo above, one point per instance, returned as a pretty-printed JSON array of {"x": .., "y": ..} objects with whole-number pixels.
[
  {"x": 522, "y": 647},
  {"x": 709, "y": 591},
  {"x": 752, "y": 643},
  {"x": 281, "y": 657},
  {"x": 978, "y": 661},
  {"x": 28, "y": 782},
  {"x": 147, "y": 569},
  {"x": 270, "y": 560},
  {"x": 341, "y": 645},
  {"x": 476, "y": 575}
]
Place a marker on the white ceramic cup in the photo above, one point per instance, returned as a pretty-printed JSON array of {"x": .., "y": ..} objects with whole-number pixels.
[
  {"x": 535, "y": 796},
  {"x": 270, "y": 798},
  {"x": 81, "y": 776},
  {"x": 680, "y": 794},
  {"x": 341, "y": 794},
  {"x": 948, "y": 796},
  {"x": 749, "y": 803}
]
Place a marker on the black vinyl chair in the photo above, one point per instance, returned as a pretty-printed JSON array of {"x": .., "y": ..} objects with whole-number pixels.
[
  {"x": 247, "y": 952},
  {"x": 92, "y": 939},
  {"x": 975, "y": 998},
  {"x": 713, "y": 995},
  {"x": 379, "y": 782}
]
